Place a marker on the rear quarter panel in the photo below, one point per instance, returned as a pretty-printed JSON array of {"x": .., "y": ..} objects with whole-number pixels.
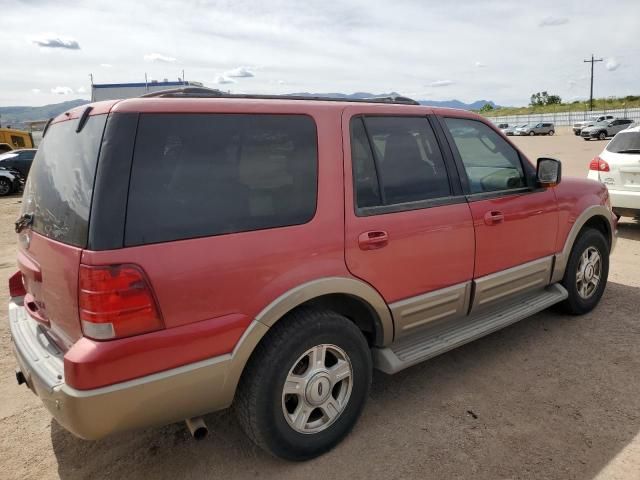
[{"x": 213, "y": 277}]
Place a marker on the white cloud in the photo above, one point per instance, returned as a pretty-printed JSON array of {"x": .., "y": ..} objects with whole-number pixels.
[
  {"x": 240, "y": 72},
  {"x": 62, "y": 90},
  {"x": 480, "y": 65},
  {"x": 106, "y": 65},
  {"x": 56, "y": 42},
  {"x": 158, "y": 57},
  {"x": 552, "y": 21},
  {"x": 441, "y": 83},
  {"x": 35, "y": 90},
  {"x": 612, "y": 64},
  {"x": 571, "y": 84},
  {"x": 81, "y": 90},
  {"x": 222, "y": 80}
]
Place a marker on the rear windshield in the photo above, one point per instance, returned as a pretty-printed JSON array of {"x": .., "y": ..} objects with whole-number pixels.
[
  {"x": 625, "y": 142},
  {"x": 196, "y": 175},
  {"x": 60, "y": 184}
]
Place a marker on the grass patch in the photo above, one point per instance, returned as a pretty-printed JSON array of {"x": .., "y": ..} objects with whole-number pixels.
[{"x": 631, "y": 101}]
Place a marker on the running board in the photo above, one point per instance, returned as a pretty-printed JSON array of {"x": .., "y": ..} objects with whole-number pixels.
[{"x": 428, "y": 343}]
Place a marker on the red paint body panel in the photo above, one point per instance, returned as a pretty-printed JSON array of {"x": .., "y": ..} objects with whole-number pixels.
[
  {"x": 575, "y": 195},
  {"x": 427, "y": 249},
  {"x": 210, "y": 289},
  {"x": 50, "y": 272},
  {"x": 92, "y": 364},
  {"x": 528, "y": 231}
]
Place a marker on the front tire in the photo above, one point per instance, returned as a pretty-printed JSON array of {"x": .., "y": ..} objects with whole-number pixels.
[
  {"x": 602, "y": 135},
  {"x": 6, "y": 187},
  {"x": 585, "y": 277},
  {"x": 531, "y": 134},
  {"x": 551, "y": 132},
  {"x": 305, "y": 385}
]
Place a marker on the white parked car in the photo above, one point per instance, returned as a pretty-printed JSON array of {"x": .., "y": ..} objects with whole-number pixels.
[{"x": 618, "y": 167}]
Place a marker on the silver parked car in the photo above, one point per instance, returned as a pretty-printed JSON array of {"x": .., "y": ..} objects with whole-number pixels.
[
  {"x": 542, "y": 128},
  {"x": 607, "y": 128}
]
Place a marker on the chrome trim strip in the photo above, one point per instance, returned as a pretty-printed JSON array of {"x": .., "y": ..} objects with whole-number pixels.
[{"x": 447, "y": 303}]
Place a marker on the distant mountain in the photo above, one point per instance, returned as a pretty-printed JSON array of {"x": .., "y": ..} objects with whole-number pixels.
[
  {"x": 477, "y": 105},
  {"x": 15, "y": 116}
]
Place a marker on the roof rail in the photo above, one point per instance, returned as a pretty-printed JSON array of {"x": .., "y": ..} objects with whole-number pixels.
[{"x": 203, "y": 92}]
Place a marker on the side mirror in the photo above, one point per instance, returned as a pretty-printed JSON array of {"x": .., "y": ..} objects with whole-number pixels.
[
  {"x": 549, "y": 172},
  {"x": 610, "y": 125}
]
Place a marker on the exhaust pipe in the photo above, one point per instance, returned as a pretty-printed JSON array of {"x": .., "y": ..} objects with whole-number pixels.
[{"x": 197, "y": 427}]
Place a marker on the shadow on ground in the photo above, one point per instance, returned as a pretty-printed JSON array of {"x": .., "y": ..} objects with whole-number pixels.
[{"x": 550, "y": 397}]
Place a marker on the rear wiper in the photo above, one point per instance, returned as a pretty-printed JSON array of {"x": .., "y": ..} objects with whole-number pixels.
[
  {"x": 629, "y": 150},
  {"x": 25, "y": 220}
]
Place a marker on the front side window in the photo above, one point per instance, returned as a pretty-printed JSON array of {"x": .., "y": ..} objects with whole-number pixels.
[
  {"x": 399, "y": 161},
  {"x": 490, "y": 162},
  {"x": 196, "y": 175}
]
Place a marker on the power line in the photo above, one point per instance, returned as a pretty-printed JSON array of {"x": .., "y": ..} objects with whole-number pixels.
[{"x": 592, "y": 61}]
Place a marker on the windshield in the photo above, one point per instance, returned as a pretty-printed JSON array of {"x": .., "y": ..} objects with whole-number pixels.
[
  {"x": 60, "y": 185},
  {"x": 625, "y": 142}
]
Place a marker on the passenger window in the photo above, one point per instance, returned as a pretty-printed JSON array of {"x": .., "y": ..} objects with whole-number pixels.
[
  {"x": 196, "y": 175},
  {"x": 18, "y": 142},
  {"x": 399, "y": 162},
  {"x": 490, "y": 162}
]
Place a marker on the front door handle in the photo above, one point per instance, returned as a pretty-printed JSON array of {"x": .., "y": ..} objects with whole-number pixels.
[
  {"x": 493, "y": 217},
  {"x": 373, "y": 240}
]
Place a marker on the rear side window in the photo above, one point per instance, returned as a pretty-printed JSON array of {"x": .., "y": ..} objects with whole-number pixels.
[
  {"x": 18, "y": 142},
  {"x": 396, "y": 160},
  {"x": 490, "y": 162},
  {"x": 196, "y": 175},
  {"x": 60, "y": 183}
]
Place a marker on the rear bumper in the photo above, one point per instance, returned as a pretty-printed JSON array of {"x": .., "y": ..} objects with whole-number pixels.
[
  {"x": 157, "y": 399},
  {"x": 625, "y": 199}
]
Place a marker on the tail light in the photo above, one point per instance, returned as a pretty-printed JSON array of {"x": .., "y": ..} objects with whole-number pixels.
[
  {"x": 16, "y": 285},
  {"x": 599, "y": 165},
  {"x": 116, "y": 301}
]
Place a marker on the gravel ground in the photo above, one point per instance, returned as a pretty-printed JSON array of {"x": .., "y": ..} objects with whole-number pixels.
[{"x": 550, "y": 397}]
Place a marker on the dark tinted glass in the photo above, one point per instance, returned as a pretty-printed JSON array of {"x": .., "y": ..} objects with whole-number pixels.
[
  {"x": 406, "y": 158},
  {"x": 625, "y": 142},
  {"x": 364, "y": 170},
  {"x": 196, "y": 175},
  {"x": 58, "y": 191},
  {"x": 490, "y": 162}
]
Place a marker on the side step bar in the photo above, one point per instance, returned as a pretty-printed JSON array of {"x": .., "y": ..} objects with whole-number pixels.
[{"x": 428, "y": 343}]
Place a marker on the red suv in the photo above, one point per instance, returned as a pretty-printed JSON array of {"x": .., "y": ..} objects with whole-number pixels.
[{"x": 191, "y": 251}]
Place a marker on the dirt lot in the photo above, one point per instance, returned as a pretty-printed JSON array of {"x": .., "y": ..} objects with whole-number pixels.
[{"x": 551, "y": 397}]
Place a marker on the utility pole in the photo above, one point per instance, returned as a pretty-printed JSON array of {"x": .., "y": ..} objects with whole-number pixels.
[{"x": 592, "y": 61}]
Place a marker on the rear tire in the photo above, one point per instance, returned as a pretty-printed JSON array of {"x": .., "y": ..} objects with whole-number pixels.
[
  {"x": 531, "y": 134},
  {"x": 294, "y": 407},
  {"x": 551, "y": 132},
  {"x": 585, "y": 277}
]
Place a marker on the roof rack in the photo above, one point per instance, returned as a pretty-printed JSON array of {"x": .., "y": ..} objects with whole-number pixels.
[{"x": 203, "y": 92}]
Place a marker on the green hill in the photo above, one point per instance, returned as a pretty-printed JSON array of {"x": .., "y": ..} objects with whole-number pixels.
[{"x": 16, "y": 116}]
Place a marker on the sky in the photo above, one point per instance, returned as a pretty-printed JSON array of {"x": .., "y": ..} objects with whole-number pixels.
[{"x": 467, "y": 50}]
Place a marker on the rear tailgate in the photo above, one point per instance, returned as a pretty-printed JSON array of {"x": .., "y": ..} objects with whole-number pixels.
[
  {"x": 57, "y": 202},
  {"x": 623, "y": 156},
  {"x": 50, "y": 275}
]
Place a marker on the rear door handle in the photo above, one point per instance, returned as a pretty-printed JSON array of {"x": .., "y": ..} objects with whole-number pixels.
[
  {"x": 493, "y": 217},
  {"x": 373, "y": 240}
]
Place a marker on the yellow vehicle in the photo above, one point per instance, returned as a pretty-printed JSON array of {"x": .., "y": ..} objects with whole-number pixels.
[{"x": 15, "y": 139}]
